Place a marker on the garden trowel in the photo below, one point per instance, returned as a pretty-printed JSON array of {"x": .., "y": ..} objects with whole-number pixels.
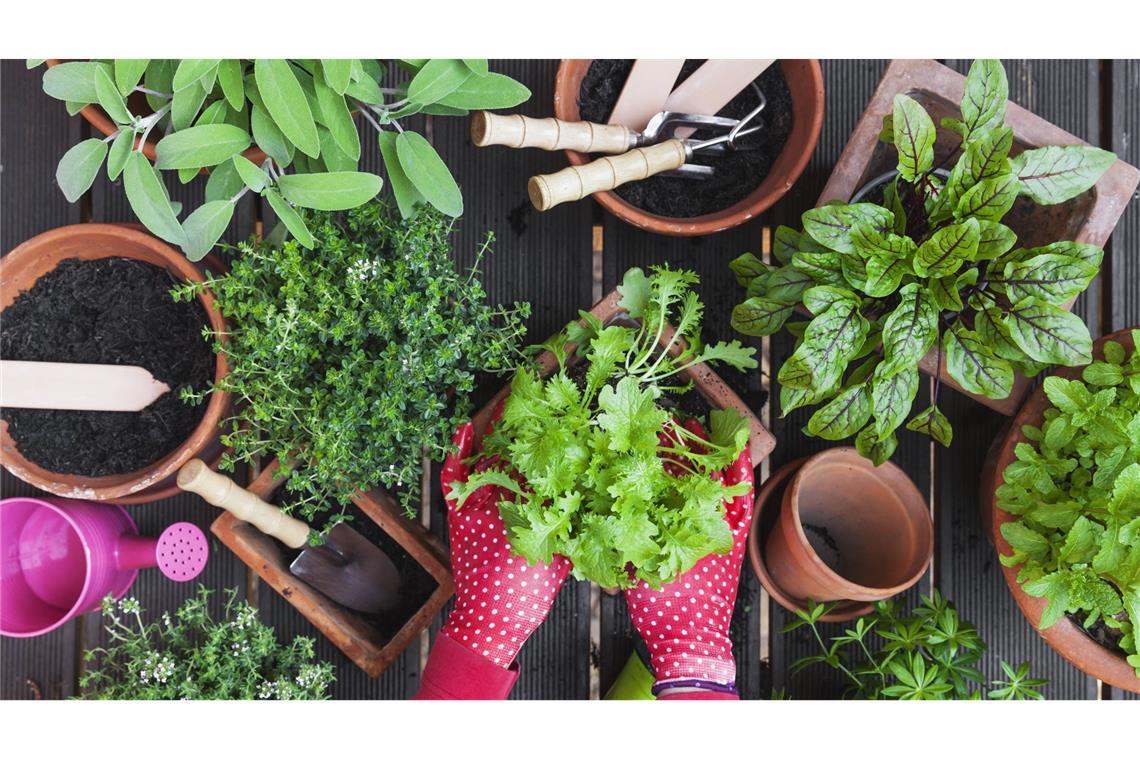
[{"x": 347, "y": 568}]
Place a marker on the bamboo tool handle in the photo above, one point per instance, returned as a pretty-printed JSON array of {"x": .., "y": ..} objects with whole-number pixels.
[
  {"x": 576, "y": 182},
  {"x": 196, "y": 477},
  {"x": 518, "y": 131}
]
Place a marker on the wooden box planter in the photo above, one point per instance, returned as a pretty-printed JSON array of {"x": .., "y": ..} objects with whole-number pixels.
[
  {"x": 359, "y": 639},
  {"x": 1088, "y": 218},
  {"x": 707, "y": 382},
  {"x": 1065, "y": 636}
]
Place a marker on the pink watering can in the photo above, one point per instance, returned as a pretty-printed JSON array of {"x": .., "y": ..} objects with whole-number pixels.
[{"x": 59, "y": 558}]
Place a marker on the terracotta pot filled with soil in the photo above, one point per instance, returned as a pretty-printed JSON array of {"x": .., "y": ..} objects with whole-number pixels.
[
  {"x": 137, "y": 104},
  {"x": 746, "y": 182},
  {"x": 1090, "y": 651},
  {"x": 100, "y": 294},
  {"x": 846, "y": 531},
  {"x": 372, "y": 641},
  {"x": 866, "y": 161}
]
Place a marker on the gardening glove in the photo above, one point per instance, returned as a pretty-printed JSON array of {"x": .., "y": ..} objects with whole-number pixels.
[
  {"x": 685, "y": 623},
  {"x": 500, "y": 599}
]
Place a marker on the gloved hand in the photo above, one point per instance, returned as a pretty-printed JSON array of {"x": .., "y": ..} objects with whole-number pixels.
[
  {"x": 685, "y": 623},
  {"x": 499, "y": 599}
]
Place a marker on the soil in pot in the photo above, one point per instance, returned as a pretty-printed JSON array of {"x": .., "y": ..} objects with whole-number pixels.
[
  {"x": 108, "y": 311},
  {"x": 737, "y": 173},
  {"x": 688, "y": 404},
  {"x": 416, "y": 584}
]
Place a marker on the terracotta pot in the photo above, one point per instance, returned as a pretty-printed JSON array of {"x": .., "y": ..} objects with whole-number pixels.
[
  {"x": 875, "y": 517},
  {"x": 764, "y": 520},
  {"x": 360, "y": 640},
  {"x": 20, "y": 269},
  {"x": 707, "y": 382},
  {"x": 805, "y": 80},
  {"x": 98, "y": 118},
  {"x": 1088, "y": 218},
  {"x": 1066, "y": 637}
]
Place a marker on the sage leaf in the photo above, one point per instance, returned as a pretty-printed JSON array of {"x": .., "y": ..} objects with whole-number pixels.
[
  {"x": 205, "y": 225},
  {"x": 185, "y": 104},
  {"x": 868, "y": 445},
  {"x": 338, "y": 119},
  {"x": 224, "y": 181},
  {"x": 914, "y": 136},
  {"x": 426, "y": 170},
  {"x": 290, "y": 218},
  {"x": 843, "y": 416},
  {"x": 285, "y": 101},
  {"x": 109, "y": 98},
  {"x": 232, "y": 82},
  {"x": 251, "y": 174},
  {"x": 120, "y": 151},
  {"x": 985, "y": 96},
  {"x": 488, "y": 92},
  {"x": 337, "y": 73},
  {"x": 478, "y": 66},
  {"x": 128, "y": 72},
  {"x": 73, "y": 81},
  {"x": 269, "y": 138},
  {"x": 1050, "y": 277},
  {"x": 989, "y": 199},
  {"x": 974, "y": 366},
  {"x": 192, "y": 71},
  {"x": 79, "y": 166},
  {"x": 332, "y": 191},
  {"x": 196, "y": 147},
  {"x": 832, "y": 225},
  {"x": 437, "y": 78},
  {"x": 407, "y": 196},
  {"x": 933, "y": 423},
  {"x": 911, "y": 329},
  {"x": 892, "y": 392},
  {"x": 1058, "y": 173},
  {"x": 1048, "y": 333},
  {"x": 149, "y": 201},
  {"x": 761, "y": 316},
  {"x": 947, "y": 249}
]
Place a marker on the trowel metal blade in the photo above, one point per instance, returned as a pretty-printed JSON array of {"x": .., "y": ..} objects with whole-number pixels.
[{"x": 351, "y": 570}]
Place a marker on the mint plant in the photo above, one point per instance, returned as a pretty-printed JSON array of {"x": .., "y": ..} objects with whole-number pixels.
[
  {"x": 303, "y": 114},
  {"x": 931, "y": 266},
  {"x": 1075, "y": 490},
  {"x": 189, "y": 655},
  {"x": 929, "y": 653},
  {"x": 610, "y": 475},
  {"x": 352, "y": 360}
]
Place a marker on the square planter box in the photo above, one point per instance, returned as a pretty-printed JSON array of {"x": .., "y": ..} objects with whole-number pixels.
[
  {"x": 707, "y": 382},
  {"x": 1088, "y": 218},
  {"x": 360, "y": 640}
]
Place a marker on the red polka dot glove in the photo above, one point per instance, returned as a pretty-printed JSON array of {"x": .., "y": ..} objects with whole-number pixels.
[
  {"x": 499, "y": 599},
  {"x": 685, "y": 623}
]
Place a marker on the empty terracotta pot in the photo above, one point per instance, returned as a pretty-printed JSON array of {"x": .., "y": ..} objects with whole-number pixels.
[
  {"x": 20, "y": 269},
  {"x": 849, "y": 531},
  {"x": 805, "y": 80}
]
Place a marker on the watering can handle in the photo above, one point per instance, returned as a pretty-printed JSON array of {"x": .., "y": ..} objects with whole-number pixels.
[
  {"x": 576, "y": 182},
  {"x": 518, "y": 131},
  {"x": 196, "y": 477}
]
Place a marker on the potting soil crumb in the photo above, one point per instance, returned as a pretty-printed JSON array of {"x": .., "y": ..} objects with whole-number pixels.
[
  {"x": 107, "y": 311},
  {"x": 737, "y": 173}
]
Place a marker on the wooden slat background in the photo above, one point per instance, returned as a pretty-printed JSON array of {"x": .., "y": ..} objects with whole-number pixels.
[{"x": 560, "y": 262}]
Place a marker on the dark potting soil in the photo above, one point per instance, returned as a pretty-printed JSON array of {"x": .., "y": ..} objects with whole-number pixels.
[
  {"x": 690, "y": 403},
  {"x": 737, "y": 173},
  {"x": 1108, "y": 638},
  {"x": 416, "y": 583},
  {"x": 823, "y": 544},
  {"x": 107, "y": 311}
]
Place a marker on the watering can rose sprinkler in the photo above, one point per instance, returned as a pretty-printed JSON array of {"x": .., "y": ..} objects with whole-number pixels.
[{"x": 60, "y": 557}]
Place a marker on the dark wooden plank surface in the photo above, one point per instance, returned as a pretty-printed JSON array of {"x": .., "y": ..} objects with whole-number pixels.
[{"x": 547, "y": 259}]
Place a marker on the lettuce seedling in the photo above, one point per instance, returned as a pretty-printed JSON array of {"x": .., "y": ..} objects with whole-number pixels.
[
  {"x": 590, "y": 447},
  {"x": 931, "y": 266},
  {"x": 1075, "y": 489}
]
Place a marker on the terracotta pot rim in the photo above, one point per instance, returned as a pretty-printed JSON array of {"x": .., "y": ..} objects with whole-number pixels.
[
  {"x": 1065, "y": 637},
  {"x": 98, "y": 118},
  {"x": 133, "y": 485},
  {"x": 844, "y": 610},
  {"x": 750, "y": 207},
  {"x": 909, "y": 493}
]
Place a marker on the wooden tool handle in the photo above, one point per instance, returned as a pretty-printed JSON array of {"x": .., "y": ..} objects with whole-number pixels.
[
  {"x": 196, "y": 477},
  {"x": 576, "y": 182},
  {"x": 518, "y": 131}
]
